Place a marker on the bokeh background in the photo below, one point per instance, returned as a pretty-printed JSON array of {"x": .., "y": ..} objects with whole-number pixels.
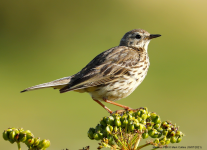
[{"x": 45, "y": 40}]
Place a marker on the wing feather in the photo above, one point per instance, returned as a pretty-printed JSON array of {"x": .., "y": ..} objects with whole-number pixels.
[{"x": 107, "y": 67}]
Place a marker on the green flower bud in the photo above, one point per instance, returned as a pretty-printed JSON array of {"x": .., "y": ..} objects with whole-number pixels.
[
  {"x": 109, "y": 129},
  {"x": 16, "y": 137},
  {"x": 172, "y": 133},
  {"x": 47, "y": 143},
  {"x": 117, "y": 122},
  {"x": 110, "y": 120},
  {"x": 139, "y": 119},
  {"x": 136, "y": 123},
  {"x": 156, "y": 135},
  {"x": 116, "y": 116},
  {"x": 130, "y": 117},
  {"x": 152, "y": 132},
  {"x": 12, "y": 135},
  {"x": 148, "y": 116},
  {"x": 36, "y": 141},
  {"x": 5, "y": 135},
  {"x": 27, "y": 131},
  {"x": 156, "y": 126},
  {"x": 153, "y": 115},
  {"x": 100, "y": 135},
  {"x": 165, "y": 132},
  {"x": 20, "y": 129},
  {"x": 115, "y": 129},
  {"x": 156, "y": 119},
  {"x": 144, "y": 116},
  {"x": 11, "y": 141},
  {"x": 145, "y": 135},
  {"x": 144, "y": 122},
  {"x": 131, "y": 127},
  {"x": 98, "y": 128},
  {"x": 179, "y": 139},
  {"x": 120, "y": 129},
  {"x": 22, "y": 137},
  {"x": 103, "y": 123},
  {"x": 123, "y": 117},
  {"x": 173, "y": 139},
  {"x": 159, "y": 130},
  {"x": 29, "y": 142},
  {"x": 179, "y": 133},
  {"x": 146, "y": 109},
  {"x": 141, "y": 127},
  {"x": 162, "y": 142},
  {"x": 104, "y": 119},
  {"x": 167, "y": 141},
  {"x": 96, "y": 136},
  {"x": 131, "y": 113},
  {"x": 125, "y": 123},
  {"x": 138, "y": 113},
  {"x": 167, "y": 126},
  {"x": 16, "y": 131},
  {"x": 169, "y": 130},
  {"x": 143, "y": 111},
  {"x": 164, "y": 124},
  {"x": 44, "y": 144},
  {"x": 164, "y": 138},
  {"x": 156, "y": 141},
  {"x": 8, "y": 132},
  {"x": 149, "y": 125},
  {"x": 91, "y": 131}
]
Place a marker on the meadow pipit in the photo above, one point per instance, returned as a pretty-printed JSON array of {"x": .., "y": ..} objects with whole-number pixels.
[{"x": 112, "y": 75}]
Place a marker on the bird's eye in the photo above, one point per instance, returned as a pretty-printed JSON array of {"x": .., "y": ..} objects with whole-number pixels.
[{"x": 138, "y": 36}]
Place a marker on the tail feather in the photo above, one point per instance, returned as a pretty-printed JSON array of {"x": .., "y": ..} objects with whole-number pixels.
[
  {"x": 67, "y": 88},
  {"x": 57, "y": 84}
]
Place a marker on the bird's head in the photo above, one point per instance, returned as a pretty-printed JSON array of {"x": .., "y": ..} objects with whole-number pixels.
[{"x": 137, "y": 38}]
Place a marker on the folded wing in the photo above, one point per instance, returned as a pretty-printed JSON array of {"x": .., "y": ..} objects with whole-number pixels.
[{"x": 107, "y": 67}]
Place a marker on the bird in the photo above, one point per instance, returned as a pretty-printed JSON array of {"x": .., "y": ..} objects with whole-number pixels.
[{"x": 113, "y": 74}]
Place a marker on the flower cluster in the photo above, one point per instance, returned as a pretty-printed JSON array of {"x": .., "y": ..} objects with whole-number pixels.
[
  {"x": 124, "y": 129},
  {"x": 19, "y": 135}
]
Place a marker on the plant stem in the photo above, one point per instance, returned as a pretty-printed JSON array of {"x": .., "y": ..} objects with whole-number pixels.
[
  {"x": 19, "y": 146},
  {"x": 138, "y": 140},
  {"x": 138, "y": 148}
]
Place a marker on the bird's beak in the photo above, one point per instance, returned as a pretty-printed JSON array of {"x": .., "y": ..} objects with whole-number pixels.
[{"x": 152, "y": 36}]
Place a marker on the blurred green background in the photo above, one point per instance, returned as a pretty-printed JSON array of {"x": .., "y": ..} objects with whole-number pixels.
[{"x": 42, "y": 41}]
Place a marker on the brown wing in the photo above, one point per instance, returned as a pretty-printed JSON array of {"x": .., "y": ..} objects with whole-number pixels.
[{"x": 107, "y": 67}]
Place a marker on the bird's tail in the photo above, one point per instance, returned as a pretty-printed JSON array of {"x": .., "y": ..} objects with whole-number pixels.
[{"x": 56, "y": 84}]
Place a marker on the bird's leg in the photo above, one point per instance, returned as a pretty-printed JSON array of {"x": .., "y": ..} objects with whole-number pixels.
[
  {"x": 103, "y": 106},
  {"x": 111, "y": 102}
]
